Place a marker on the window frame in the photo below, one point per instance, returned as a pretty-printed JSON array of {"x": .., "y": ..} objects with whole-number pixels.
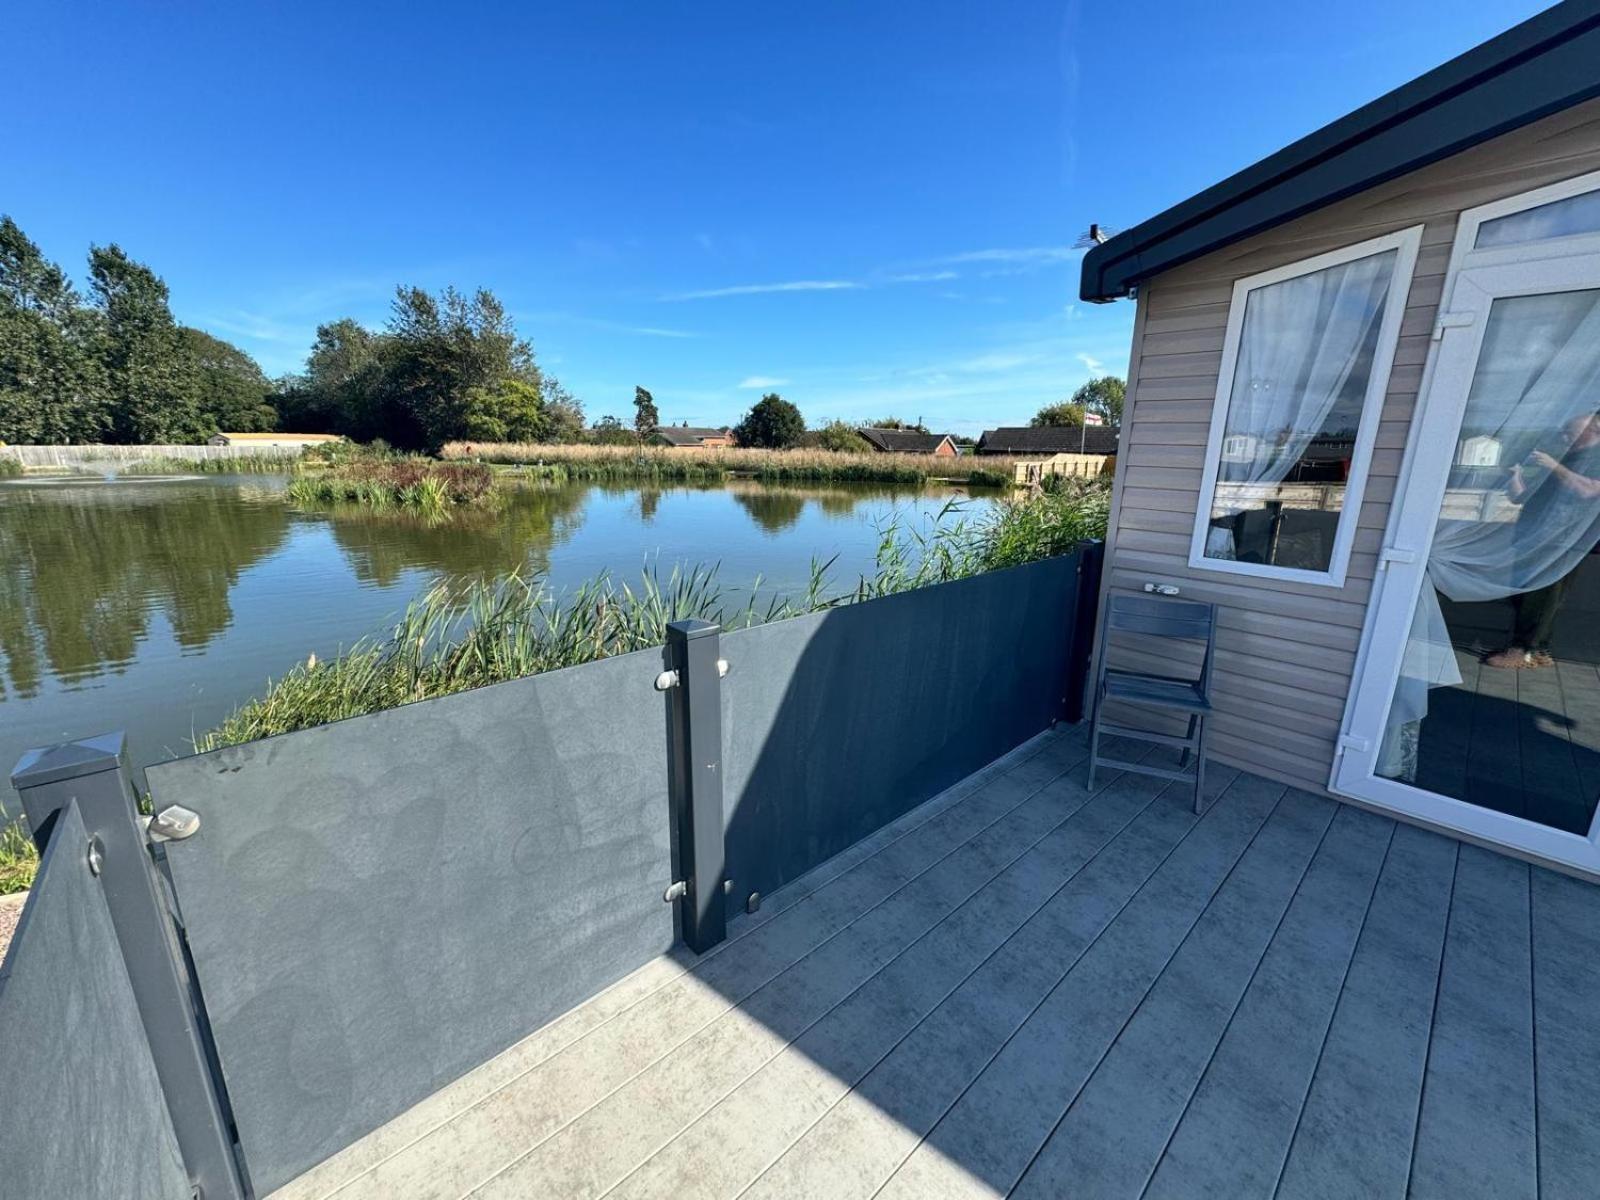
[
  {"x": 1405, "y": 243},
  {"x": 1466, "y": 254}
]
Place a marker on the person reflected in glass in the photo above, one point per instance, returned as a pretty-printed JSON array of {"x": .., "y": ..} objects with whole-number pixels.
[{"x": 1573, "y": 478}]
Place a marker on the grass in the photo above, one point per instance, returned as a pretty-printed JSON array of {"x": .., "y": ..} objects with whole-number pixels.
[
  {"x": 665, "y": 464},
  {"x": 10, "y": 468},
  {"x": 243, "y": 464},
  {"x": 387, "y": 482},
  {"x": 454, "y": 639},
  {"x": 18, "y": 859}
]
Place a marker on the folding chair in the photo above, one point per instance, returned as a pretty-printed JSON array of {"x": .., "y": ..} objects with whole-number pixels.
[{"x": 1185, "y": 621}]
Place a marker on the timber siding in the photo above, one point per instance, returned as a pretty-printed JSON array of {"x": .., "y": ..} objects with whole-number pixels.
[{"x": 1286, "y": 651}]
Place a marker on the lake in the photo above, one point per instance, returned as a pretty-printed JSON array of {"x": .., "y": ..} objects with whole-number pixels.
[{"x": 157, "y": 606}]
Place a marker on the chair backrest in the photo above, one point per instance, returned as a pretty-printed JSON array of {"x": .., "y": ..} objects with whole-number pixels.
[{"x": 1162, "y": 617}]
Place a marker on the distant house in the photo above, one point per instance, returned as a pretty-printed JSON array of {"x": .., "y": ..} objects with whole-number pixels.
[
  {"x": 689, "y": 437},
  {"x": 1044, "y": 440},
  {"x": 909, "y": 441},
  {"x": 1479, "y": 451},
  {"x": 274, "y": 440}
]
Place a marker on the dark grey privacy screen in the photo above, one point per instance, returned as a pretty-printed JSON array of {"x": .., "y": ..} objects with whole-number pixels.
[
  {"x": 377, "y": 906},
  {"x": 83, "y": 1109},
  {"x": 837, "y": 723}
]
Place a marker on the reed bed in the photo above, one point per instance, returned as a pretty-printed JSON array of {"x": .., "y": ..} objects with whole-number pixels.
[
  {"x": 413, "y": 483},
  {"x": 10, "y": 468},
  {"x": 667, "y": 464},
  {"x": 243, "y": 464},
  {"x": 455, "y": 638}
]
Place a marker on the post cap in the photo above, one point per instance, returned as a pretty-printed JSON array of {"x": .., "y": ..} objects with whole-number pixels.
[
  {"x": 691, "y": 629},
  {"x": 68, "y": 760}
]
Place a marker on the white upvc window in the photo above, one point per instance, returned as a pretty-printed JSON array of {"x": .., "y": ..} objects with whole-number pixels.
[{"x": 1305, "y": 365}]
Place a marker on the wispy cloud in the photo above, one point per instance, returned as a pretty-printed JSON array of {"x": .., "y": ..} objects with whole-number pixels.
[
  {"x": 255, "y": 327},
  {"x": 600, "y": 323},
  {"x": 757, "y": 289},
  {"x": 1092, "y": 364},
  {"x": 1020, "y": 256},
  {"x": 922, "y": 277},
  {"x": 753, "y": 382}
]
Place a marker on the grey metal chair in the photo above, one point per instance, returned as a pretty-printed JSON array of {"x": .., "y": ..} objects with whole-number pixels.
[{"x": 1187, "y": 621}]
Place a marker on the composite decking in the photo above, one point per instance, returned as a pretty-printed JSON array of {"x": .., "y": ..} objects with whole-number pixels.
[
  {"x": 1520, "y": 742},
  {"x": 1026, "y": 989}
]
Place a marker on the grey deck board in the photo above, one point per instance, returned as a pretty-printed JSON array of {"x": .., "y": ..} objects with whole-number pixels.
[
  {"x": 1566, "y": 993},
  {"x": 1235, "y": 1134},
  {"x": 1025, "y": 988},
  {"x": 1113, "y": 1134},
  {"x": 998, "y": 1124},
  {"x": 1475, "y": 1133},
  {"x": 1359, "y": 1119}
]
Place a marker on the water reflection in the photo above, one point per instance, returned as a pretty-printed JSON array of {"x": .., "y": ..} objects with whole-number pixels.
[
  {"x": 85, "y": 566},
  {"x": 516, "y": 534}
]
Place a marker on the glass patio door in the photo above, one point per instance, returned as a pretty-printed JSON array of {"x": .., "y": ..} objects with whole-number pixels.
[{"x": 1477, "y": 704}]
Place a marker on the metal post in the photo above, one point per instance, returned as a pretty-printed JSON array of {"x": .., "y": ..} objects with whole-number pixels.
[
  {"x": 94, "y": 772},
  {"x": 696, "y": 780},
  {"x": 1091, "y": 556}
]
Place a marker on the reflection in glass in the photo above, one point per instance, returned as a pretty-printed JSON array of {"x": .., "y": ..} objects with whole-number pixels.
[
  {"x": 1498, "y": 700},
  {"x": 1299, "y": 385},
  {"x": 1559, "y": 218}
]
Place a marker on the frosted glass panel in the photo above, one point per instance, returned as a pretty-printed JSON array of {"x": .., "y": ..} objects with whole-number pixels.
[{"x": 1559, "y": 218}]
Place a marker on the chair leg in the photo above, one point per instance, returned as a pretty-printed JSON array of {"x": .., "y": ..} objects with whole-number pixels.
[
  {"x": 1094, "y": 740},
  {"x": 1200, "y": 769},
  {"x": 1183, "y": 760}
]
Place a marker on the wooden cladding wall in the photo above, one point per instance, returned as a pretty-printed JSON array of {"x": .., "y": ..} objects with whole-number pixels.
[{"x": 1287, "y": 650}]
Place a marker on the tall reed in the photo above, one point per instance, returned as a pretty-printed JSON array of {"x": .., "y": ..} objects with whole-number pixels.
[
  {"x": 665, "y": 463},
  {"x": 241, "y": 464}
]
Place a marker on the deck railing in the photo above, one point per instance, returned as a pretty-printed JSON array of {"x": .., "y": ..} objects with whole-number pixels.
[{"x": 326, "y": 927}]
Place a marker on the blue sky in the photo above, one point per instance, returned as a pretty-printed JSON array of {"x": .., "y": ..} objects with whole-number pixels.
[{"x": 867, "y": 206}]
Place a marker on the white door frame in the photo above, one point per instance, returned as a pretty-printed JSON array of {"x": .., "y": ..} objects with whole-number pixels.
[{"x": 1475, "y": 279}]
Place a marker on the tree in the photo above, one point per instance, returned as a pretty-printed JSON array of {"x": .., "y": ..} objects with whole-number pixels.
[
  {"x": 610, "y": 431},
  {"x": 1066, "y": 414},
  {"x": 838, "y": 435},
  {"x": 645, "y": 416},
  {"x": 509, "y": 411},
  {"x": 449, "y": 360},
  {"x": 1102, "y": 395},
  {"x": 52, "y": 388},
  {"x": 563, "y": 412},
  {"x": 772, "y": 424},
  {"x": 154, "y": 380},
  {"x": 234, "y": 393},
  {"x": 896, "y": 423}
]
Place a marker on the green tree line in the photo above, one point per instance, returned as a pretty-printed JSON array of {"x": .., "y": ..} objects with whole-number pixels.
[
  {"x": 111, "y": 365},
  {"x": 114, "y": 365}
]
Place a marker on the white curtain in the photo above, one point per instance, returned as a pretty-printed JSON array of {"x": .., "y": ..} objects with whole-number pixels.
[
  {"x": 1537, "y": 387},
  {"x": 1302, "y": 341}
]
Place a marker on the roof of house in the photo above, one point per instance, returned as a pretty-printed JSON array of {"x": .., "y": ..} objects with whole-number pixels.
[
  {"x": 1539, "y": 67},
  {"x": 279, "y": 437},
  {"x": 1049, "y": 439},
  {"x": 687, "y": 435},
  {"x": 903, "y": 441}
]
